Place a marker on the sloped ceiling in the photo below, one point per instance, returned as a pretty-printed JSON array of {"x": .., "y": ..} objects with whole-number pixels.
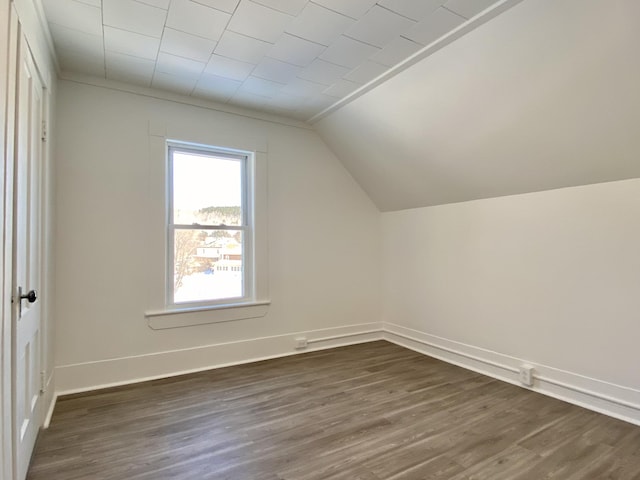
[
  {"x": 546, "y": 95},
  {"x": 289, "y": 57}
]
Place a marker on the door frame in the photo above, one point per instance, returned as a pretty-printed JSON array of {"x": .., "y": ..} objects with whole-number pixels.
[
  {"x": 11, "y": 33},
  {"x": 9, "y": 44}
]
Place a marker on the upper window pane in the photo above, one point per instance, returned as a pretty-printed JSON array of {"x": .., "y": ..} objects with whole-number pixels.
[{"x": 207, "y": 189}]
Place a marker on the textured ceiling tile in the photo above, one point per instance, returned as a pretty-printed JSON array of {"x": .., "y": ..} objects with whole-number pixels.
[
  {"x": 348, "y": 52},
  {"x": 300, "y": 87},
  {"x": 249, "y": 100},
  {"x": 275, "y": 70},
  {"x": 295, "y": 50},
  {"x": 134, "y": 16},
  {"x": 130, "y": 43},
  {"x": 241, "y": 47},
  {"x": 76, "y": 15},
  {"x": 258, "y": 21},
  {"x": 468, "y": 8},
  {"x": 216, "y": 88},
  {"x": 126, "y": 68},
  {"x": 173, "y": 83},
  {"x": 164, "y": 4},
  {"x": 396, "y": 51},
  {"x": 197, "y": 19},
  {"x": 366, "y": 72},
  {"x": 319, "y": 24},
  {"x": 292, "y": 7},
  {"x": 437, "y": 24},
  {"x": 260, "y": 86},
  {"x": 286, "y": 101},
  {"x": 351, "y": 8},
  {"x": 81, "y": 61},
  {"x": 187, "y": 45},
  {"x": 228, "y": 6},
  {"x": 315, "y": 104},
  {"x": 228, "y": 68},
  {"x": 68, "y": 38},
  {"x": 415, "y": 10},
  {"x": 323, "y": 72},
  {"x": 379, "y": 26},
  {"x": 174, "y": 65},
  {"x": 342, "y": 88}
]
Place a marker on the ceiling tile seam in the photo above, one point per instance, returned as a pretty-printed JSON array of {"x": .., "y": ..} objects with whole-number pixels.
[
  {"x": 398, "y": 13},
  {"x": 147, "y": 5},
  {"x": 245, "y": 35},
  {"x": 283, "y": 61},
  {"x": 182, "y": 56},
  {"x": 155, "y": 64},
  {"x": 131, "y": 31},
  {"x": 273, "y": 8},
  {"x": 164, "y": 28},
  {"x": 340, "y": 13},
  {"x": 305, "y": 39},
  {"x": 186, "y": 33},
  {"x": 362, "y": 41},
  {"x": 455, "y": 13},
  {"x": 131, "y": 56},
  {"x": 293, "y": 17},
  {"x": 217, "y": 9}
]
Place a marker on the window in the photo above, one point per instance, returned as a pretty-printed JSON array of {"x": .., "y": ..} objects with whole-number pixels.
[{"x": 210, "y": 226}]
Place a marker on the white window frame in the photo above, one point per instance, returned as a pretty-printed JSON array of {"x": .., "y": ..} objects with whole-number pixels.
[{"x": 247, "y": 226}]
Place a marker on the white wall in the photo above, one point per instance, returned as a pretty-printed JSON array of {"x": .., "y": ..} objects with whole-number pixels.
[
  {"x": 323, "y": 241},
  {"x": 552, "y": 278}
]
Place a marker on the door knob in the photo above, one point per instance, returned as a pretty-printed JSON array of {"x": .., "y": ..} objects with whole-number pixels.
[{"x": 31, "y": 296}]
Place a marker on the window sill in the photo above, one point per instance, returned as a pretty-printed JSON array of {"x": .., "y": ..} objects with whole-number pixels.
[{"x": 190, "y": 316}]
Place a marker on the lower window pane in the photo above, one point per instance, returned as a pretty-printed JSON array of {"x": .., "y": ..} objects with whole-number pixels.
[{"x": 207, "y": 265}]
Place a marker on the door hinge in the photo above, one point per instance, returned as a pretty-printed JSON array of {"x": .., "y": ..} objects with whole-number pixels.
[
  {"x": 44, "y": 130},
  {"x": 43, "y": 381}
]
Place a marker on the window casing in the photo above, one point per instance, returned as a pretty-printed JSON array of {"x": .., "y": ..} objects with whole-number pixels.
[{"x": 210, "y": 226}]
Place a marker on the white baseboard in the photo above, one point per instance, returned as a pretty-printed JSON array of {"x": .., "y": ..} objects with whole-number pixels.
[
  {"x": 603, "y": 397},
  {"x": 89, "y": 376}
]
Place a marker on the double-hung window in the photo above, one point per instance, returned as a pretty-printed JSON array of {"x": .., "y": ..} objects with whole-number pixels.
[{"x": 210, "y": 226}]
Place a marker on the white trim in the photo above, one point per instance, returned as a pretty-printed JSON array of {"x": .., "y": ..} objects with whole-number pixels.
[
  {"x": 206, "y": 308},
  {"x": 610, "y": 399},
  {"x": 96, "y": 375},
  {"x": 471, "y": 24},
  {"x": 186, "y": 317},
  {"x": 183, "y": 99}
]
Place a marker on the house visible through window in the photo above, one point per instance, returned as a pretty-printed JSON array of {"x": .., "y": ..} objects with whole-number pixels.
[{"x": 210, "y": 226}]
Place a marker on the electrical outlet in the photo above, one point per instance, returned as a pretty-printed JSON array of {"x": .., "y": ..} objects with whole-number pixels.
[
  {"x": 301, "y": 343},
  {"x": 526, "y": 375}
]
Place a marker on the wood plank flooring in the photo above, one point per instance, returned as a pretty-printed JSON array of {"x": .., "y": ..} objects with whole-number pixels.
[{"x": 366, "y": 412}]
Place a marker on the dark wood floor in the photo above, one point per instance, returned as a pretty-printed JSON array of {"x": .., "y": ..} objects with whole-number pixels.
[{"x": 366, "y": 412}]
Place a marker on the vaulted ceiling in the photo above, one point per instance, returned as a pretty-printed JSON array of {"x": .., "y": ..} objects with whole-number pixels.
[
  {"x": 290, "y": 57},
  {"x": 425, "y": 102},
  {"x": 545, "y": 95}
]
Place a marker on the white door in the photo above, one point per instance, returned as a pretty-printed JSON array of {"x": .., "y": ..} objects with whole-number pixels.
[{"x": 27, "y": 271}]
